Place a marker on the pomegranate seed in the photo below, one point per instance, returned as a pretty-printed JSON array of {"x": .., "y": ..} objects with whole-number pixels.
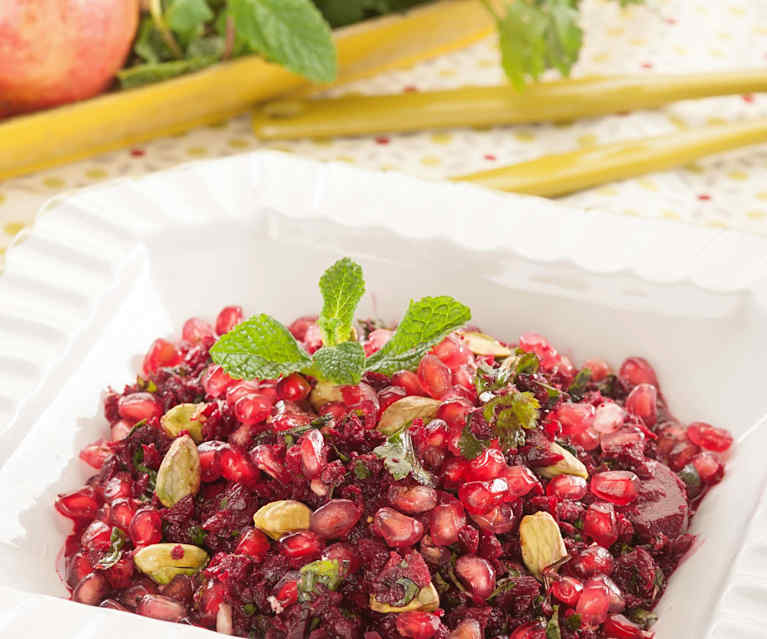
[
  {"x": 121, "y": 485},
  {"x": 161, "y": 354},
  {"x": 299, "y": 327},
  {"x": 335, "y": 519},
  {"x": 599, "y": 523},
  {"x": 520, "y": 480},
  {"x": 446, "y": 521},
  {"x": 637, "y": 370},
  {"x": 398, "y": 530},
  {"x": 96, "y": 454},
  {"x": 567, "y": 487},
  {"x": 617, "y": 602},
  {"x": 123, "y": 510},
  {"x": 78, "y": 567},
  {"x": 453, "y": 352},
  {"x": 498, "y": 520},
  {"x": 210, "y": 459},
  {"x": 642, "y": 402},
  {"x": 417, "y": 625},
  {"x": 347, "y": 557},
  {"x": 91, "y": 589},
  {"x": 477, "y": 574},
  {"x": 682, "y": 454},
  {"x": 304, "y": 544},
  {"x": 196, "y": 330},
  {"x": 709, "y": 468},
  {"x": 138, "y": 406},
  {"x": 80, "y": 505},
  {"x": 228, "y": 318},
  {"x": 575, "y": 418},
  {"x": 567, "y": 590},
  {"x": 467, "y": 629},
  {"x": 145, "y": 527},
  {"x": 454, "y": 414},
  {"x": 619, "y": 487},
  {"x": 622, "y": 439},
  {"x": 593, "y": 560},
  {"x": 594, "y": 603},
  {"x": 489, "y": 464},
  {"x": 670, "y": 434},
  {"x": 208, "y": 599},
  {"x": 294, "y": 388},
  {"x": 409, "y": 381},
  {"x": 589, "y": 439},
  {"x": 286, "y": 591},
  {"x": 478, "y": 497},
  {"x": 412, "y": 499},
  {"x": 463, "y": 378},
  {"x": 434, "y": 376},
  {"x": 709, "y": 437},
  {"x": 252, "y": 409},
  {"x": 133, "y": 594},
  {"x": 120, "y": 430},
  {"x": 161, "y": 607},
  {"x": 120, "y": 575},
  {"x": 314, "y": 454},
  {"x": 618, "y": 627},
  {"x": 313, "y": 339},
  {"x": 216, "y": 381},
  {"x": 113, "y": 605},
  {"x": 290, "y": 416},
  {"x": 436, "y": 555},
  {"x": 267, "y": 459},
  {"x": 253, "y": 543},
  {"x": 389, "y": 395},
  {"x": 608, "y": 418},
  {"x": 532, "y": 630},
  {"x": 453, "y": 472},
  {"x": 97, "y": 536},
  {"x": 235, "y": 466},
  {"x": 376, "y": 340},
  {"x": 599, "y": 369}
]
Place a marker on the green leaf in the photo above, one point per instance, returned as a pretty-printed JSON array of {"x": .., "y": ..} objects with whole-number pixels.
[
  {"x": 150, "y": 45},
  {"x": 469, "y": 445},
  {"x": 564, "y": 37},
  {"x": 642, "y": 617},
  {"x": 323, "y": 571},
  {"x": 209, "y": 46},
  {"x": 342, "y": 287},
  {"x": 117, "y": 542},
  {"x": 510, "y": 415},
  {"x": 187, "y": 18},
  {"x": 426, "y": 322},
  {"x": 521, "y": 34},
  {"x": 292, "y": 33},
  {"x": 401, "y": 460},
  {"x": 260, "y": 348},
  {"x": 143, "y": 74},
  {"x": 197, "y": 535},
  {"x": 410, "y": 589},
  {"x": 579, "y": 384},
  {"x": 361, "y": 471},
  {"x": 552, "y": 627},
  {"x": 573, "y": 622},
  {"x": 342, "y": 364}
]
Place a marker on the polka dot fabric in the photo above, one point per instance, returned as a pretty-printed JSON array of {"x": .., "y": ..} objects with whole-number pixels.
[{"x": 663, "y": 36}]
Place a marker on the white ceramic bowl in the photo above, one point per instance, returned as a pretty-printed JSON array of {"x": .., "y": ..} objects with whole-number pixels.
[{"x": 106, "y": 270}]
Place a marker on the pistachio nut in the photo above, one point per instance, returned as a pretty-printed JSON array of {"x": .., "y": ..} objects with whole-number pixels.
[
  {"x": 427, "y": 600},
  {"x": 279, "y": 518},
  {"x": 179, "y": 473},
  {"x": 570, "y": 465},
  {"x": 162, "y": 562},
  {"x": 324, "y": 393},
  {"x": 184, "y": 417},
  {"x": 406, "y": 410},
  {"x": 541, "y": 542},
  {"x": 481, "y": 344}
]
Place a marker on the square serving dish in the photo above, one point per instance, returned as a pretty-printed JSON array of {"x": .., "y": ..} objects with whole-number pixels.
[{"x": 106, "y": 270}]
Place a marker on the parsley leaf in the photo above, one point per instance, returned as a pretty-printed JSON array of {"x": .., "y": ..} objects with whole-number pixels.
[
  {"x": 425, "y": 323},
  {"x": 342, "y": 287},
  {"x": 342, "y": 364},
  {"x": 260, "y": 347},
  {"x": 117, "y": 542},
  {"x": 510, "y": 415},
  {"x": 401, "y": 460},
  {"x": 187, "y": 18},
  {"x": 470, "y": 446},
  {"x": 579, "y": 384}
]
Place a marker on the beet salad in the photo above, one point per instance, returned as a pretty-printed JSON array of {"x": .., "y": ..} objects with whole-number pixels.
[{"x": 341, "y": 479}]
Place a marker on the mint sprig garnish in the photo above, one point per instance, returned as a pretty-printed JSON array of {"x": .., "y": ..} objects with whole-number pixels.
[{"x": 263, "y": 348}]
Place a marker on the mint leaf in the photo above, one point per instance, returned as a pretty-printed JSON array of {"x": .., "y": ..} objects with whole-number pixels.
[
  {"x": 469, "y": 445},
  {"x": 260, "y": 347},
  {"x": 342, "y": 287},
  {"x": 150, "y": 45},
  {"x": 522, "y": 42},
  {"x": 290, "y": 32},
  {"x": 511, "y": 414},
  {"x": 401, "y": 460},
  {"x": 426, "y": 322},
  {"x": 342, "y": 364},
  {"x": 187, "y": 18}
]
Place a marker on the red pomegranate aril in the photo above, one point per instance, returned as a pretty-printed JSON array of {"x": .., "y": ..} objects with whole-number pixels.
[
  {"x": 146, "y": 527},
  {"x": 216, "y": 381},
  {"x": 409, "y": 381},
  {"x": 252, "y": 409},
  {"x": 181, "y": 588},
  {"x": 467, "y": 629},
  {"x": 195, "y": 330},
  {"x": 78, "y": 567},
  {"x": 600, "y": 524},
  {"x": 618, "y": 627},
  {"x": 520, "y": 481},
  {"x": 113, "y": 605},
  {"x": 335, "y": 519},
  {"x": 435, "y": 377},
  {"x": 671, "y": 433},
  {"x": 299, "y": 326},
  {"x": 398, "y": 530},
  {"x": 347, "y": 557},
  {"x": 253, "y": 543},
  {"x": 97, "y": 536},
  {"x": 637, "y": 370},
  {"x": 622, "y": 439},
  {"x": 286, "y": 592},
  {"x": 304, "y": 544},
  {"x": 709, "y": 468},
  {"x": 446, "y": 521},
  {"x": 453, "y": 472},
  {"x": 96, "y": 454},
  {"x": 161, "y": 607},
  {"x": 294, "y": 388},
  {"x": 412, "y": 499},
  {"x": 454, "y": 413},
  {"x": 389, "y": 395},
  {"x": 235, "y": 466},
  {"x": 417, "y": 625},
  {"x": 619, "y": 487},
  {"x": 682, "y": 454},
  {"x": 210, "y": 459},
  {"x": 709, "y": 437},
  {"x": 122, "y": 512},
  {"x": 594, "y": 603},
  {"x": 477, "y": 574},
  {"x": 599, "y": 369},
  {"x": 567, "y": 590},
  {"x": 314, "y": 456},
  {"x": 120, "y": 430},
  {"x": 228, "y": 318},
  {"x": 377, "y": 340},
  {"x": 589, "y": 439},
  {"x": 617, "y": 602},
  {"x": 575, "y": 418},
  {"x": 567, "y": 487},
  {"x": 267, "y": 459},
  {"x": 91, "y": 589},
  {"x": 453, "y": 352},
  {"x": 593, "y": 560},
  {"x": 138, "y": 406},
  {"x": 489, "y": 464},
  {"x": 498, "y": 520},
  {"x": 121, "y": 485},
  {"x": 120, "y": 574},
  {"x": 608, "y": 418},
  {"x": 531, "y": 630},
  {"x": 133, "y": 594},
  {"x": 642, "y": 401},
  {"x": 208, "y": 599},
  {"x": 478, "y": 497},
  {"x": 161, "y": 354},
  {"x": 80, "y": 505}
]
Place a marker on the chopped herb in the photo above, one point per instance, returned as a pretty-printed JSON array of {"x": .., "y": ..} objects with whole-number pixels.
[
  {"x": 552, "y": 627},
  {"x": 581, "y": 381},
  {"x": 469, "y": 445},
  {"x": 117, "y": 542},
  {"x": 249, "y": 609},
  {"x": 642, "y": 617},
  {"x": 401, "y": 460},
  {"x": 361, "y": 471},
  {"x": 573, "y": 622},
  {"x": 197, "y": 535},
  {"x": 323, "y": 571},
  {"x": 510, "y": 415},
  {"x": 410, "y": 590}
]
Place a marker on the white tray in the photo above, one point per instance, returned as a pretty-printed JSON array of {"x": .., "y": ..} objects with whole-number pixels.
[{"x": 106, "y": 270}]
